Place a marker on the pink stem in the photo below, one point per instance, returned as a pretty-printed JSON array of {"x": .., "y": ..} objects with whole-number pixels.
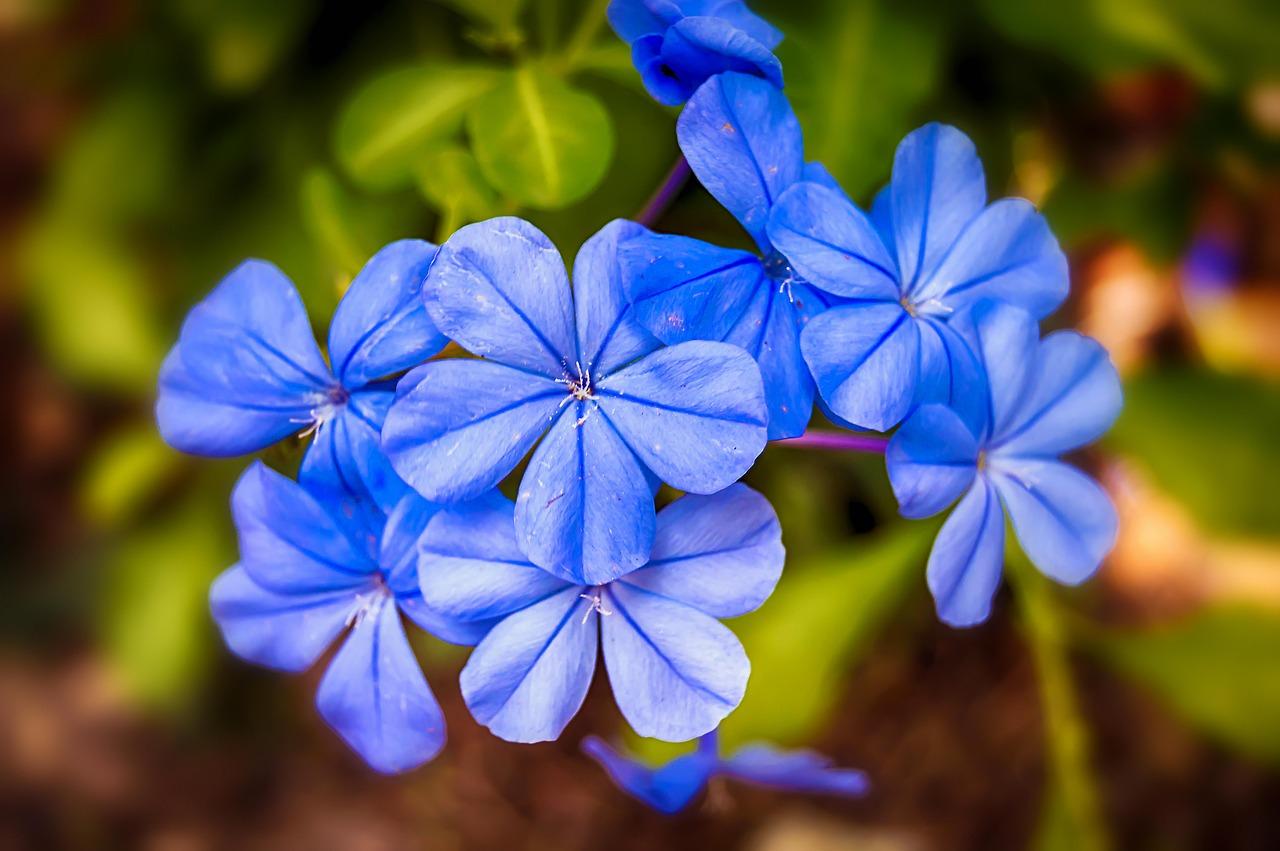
[
  {"x": 837, "y": 440},
  {"x": 666, "y": 193}
]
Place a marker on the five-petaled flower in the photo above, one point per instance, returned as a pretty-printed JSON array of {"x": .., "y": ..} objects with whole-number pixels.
[
  {"x": 677, "y": 45},
  {"x": 313, "y": 563},
  {"x": 931, "y": 247},
  {"x": 1045, "y": 398},
  {"x": 743, "y": 141},
  {"x": 618, "y": 411},
  {"x": 676, "y": 671},
  {"x": 673, "y": 786},
  {"x": 246, "y": 371}
]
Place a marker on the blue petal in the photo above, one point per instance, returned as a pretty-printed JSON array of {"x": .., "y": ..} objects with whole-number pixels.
[
  {"x": 287, "y": 632},
  {"x": 608, "y": 334},
  {"x": 381, "y": 326},
  {"x": 938, "y": 188},
  {"x": 676, "y": 672},
  {"x": 743, "y": 142},
  {"x": 696, "y": 49},
  {"x": 375, "y": 697},
  {"x": 1008, "y": 253},
  {"x": 816, "y": 172},
  {"x": 951, "y": 375},
  {"x": 931, "y": 460},
  {"x": 864, "y": 357},
  {"x": 659, "y": 78},
  {"x": 529, "y": 676},
  {"x": 471, "y": 566},
  {"x": 739, "y": 15},
  {"x": 768, "y": 331},
  {"x": 290, "y": 543},
  {"x": 694, "y": 413},
  {"x": 721, "y": 554},
  {"x": 832, "y": 244},
  {"x": 1004, "y": 338},
  {"x": 966, "y": 561},
  {"x": 1073, "y": 398},
  {"x": 585, "y": 510},
  {"x": 398, "y": 560},
  {"x": 668, "y": 789},
  {"x": 631, "y": 19},
  {"x": 246, "y": 371},
  {"x": 799, "y": 771},
  {"x": 458, "y": 426},
  {"x": 499, "y": 288},
  {"x": 686, "y": 289},
  {"x": 1065, "y": 522},
  {"x": 346, "y": 454}
]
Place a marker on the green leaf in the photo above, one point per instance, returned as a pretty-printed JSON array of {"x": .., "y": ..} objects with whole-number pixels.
[
  {"x": 499, "y": 15},
  {"x": 395, "y": 118},
  {"x": 124, "y": 473},
  {"x": 813, "y": 630},
  {"x": 1080, "y": 210},
  {"x": 156, "y": 626},
  {"x": 1209, "y": 440},
  {"x": 90, "y": 300},
  {"x": 540, "y": 142},
  {"x": 857, "y": 70},
  {"x": 243, "y": 40},
  {"x": 346, "y": 229},
  {"x": 450, "y": 179},
  {"x": 1216, "y": 669}
]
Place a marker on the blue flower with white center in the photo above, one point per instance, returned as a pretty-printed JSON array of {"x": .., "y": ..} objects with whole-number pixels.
[
  {"x": 618, "y": 411},
  {"x": 313, "y": 564},
  {"x": 931, "y": 247},
  {"x": 246, "y": 371},
  {"x": 677, "y": 45},
  {"x": 673, "y": 786},
  {"x": 743, "y": 141},
  {"x": 1045, "y": 398},
  {"x": 676, "y": 671}
]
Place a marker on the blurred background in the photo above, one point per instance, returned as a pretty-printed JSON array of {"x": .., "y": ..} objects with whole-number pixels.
[{"x": 148, "y": 147}]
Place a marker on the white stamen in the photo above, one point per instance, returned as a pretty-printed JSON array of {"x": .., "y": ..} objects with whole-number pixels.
[{"x": 597, "y": 605}]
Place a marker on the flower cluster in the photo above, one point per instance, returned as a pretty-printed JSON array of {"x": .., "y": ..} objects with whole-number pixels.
[{"x": 667, "y": 360}]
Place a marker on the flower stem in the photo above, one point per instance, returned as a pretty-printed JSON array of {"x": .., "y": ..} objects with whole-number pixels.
[
  {"x": 838, "y": 441},
  {"x": 666, "y": 193}
]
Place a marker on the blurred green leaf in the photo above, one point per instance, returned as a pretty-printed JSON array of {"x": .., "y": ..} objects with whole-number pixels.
[
  {"x": 500, "y": 15},
  {"x": 1215, "y": 43},
  {"x": 395, "y": 118},
  {"x": 124, "y": 473},
  {"x": 347, "y": 229},
  {"x": 243, "y": 39},
  {"x": 90, "y": 300},
  {"x": 1210, "y": 440},
  {"x": 156, "y": 625},
  {"x": 815, "y": 627},
  {"x": 121, "y": 163},
  {"x": 857, "y": 71},
  {"x": 539, "y": 141},
  {"x": 1080, "y": 210},
  {"x": 449, "y": 178},
  {"x": 1217, "y": 669},
  {"x": 1071, "y": 816}
]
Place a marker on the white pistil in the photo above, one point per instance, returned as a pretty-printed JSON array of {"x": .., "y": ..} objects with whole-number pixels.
[{"x": 597, "y": 605}]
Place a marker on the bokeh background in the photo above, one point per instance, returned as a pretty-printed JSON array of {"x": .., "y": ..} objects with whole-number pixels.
[{"x": 147, "y": 147}]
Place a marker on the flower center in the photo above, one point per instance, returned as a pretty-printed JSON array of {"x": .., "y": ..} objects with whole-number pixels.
[
  {"x": 580, "y": 388},
  {"x": 328, "y": 405},
  {"x": 369, "y": 602},
  {"x": 781, "y": 273},
  {"x": 595, "y": 603}
]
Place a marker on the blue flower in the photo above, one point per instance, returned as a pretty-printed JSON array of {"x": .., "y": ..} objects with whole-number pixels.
[
  {"x": 742, "y": 139},
  {"x": 617, "y": 411},
  {"x": 677, "y": 45},
  {"x": 1045, "y": 398},
  {"x": 246, "y": 371},
  {"x": 931, "y": 246},
  {"x": 673, "y": 786},
  {"x": 311, "y": 565},
  {"x": 676, "y": 671}
]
